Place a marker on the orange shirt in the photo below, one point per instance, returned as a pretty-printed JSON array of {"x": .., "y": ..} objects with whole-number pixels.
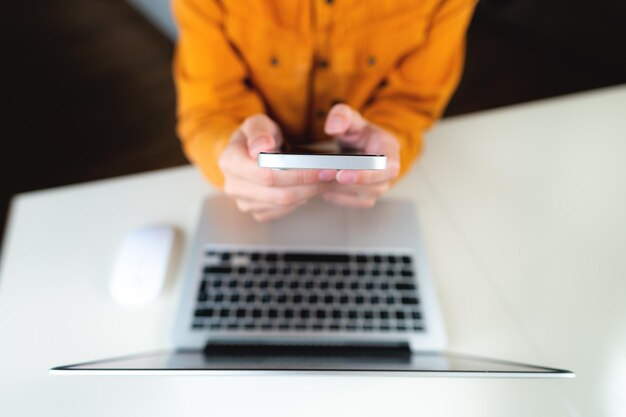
[{"x": 396, "y": 61}]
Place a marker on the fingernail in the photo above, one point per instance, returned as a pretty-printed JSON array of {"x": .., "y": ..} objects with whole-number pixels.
[
  {"x": 346, "y": 177},
  {"x": 327, "y": 175},
  {"x": 257, "y": 145},
  {"x": 335, "y": 124}
]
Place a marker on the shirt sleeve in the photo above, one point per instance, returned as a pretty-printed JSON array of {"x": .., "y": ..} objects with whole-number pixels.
[
  {"x": 210, "y": 79},
  {"x": 419, "y": 87}
]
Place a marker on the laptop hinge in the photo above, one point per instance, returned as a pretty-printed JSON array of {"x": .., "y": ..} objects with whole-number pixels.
[{"x": 379, "y": 350}]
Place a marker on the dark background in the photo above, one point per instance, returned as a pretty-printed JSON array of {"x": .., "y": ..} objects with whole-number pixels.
[{"x": 87, "y": 93}]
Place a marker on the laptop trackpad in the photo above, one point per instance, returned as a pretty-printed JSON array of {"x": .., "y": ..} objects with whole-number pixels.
[{"x": 317, "y": 224}]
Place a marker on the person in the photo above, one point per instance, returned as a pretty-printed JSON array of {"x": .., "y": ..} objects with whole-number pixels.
[{"x": 253, "y": 74}]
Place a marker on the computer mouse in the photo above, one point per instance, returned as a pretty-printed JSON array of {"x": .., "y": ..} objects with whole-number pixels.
[{"x": 142, "y": 263}]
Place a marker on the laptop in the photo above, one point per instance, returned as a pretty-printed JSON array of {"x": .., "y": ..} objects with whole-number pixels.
[{"x": 325, "y": 290}]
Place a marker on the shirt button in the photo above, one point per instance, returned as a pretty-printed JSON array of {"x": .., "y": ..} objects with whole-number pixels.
[
  {"x": 371, "y": 60},
  {"x": 323, "y": 63},
  {"x": 274, "y": 61},
  {"x": 329, "y": 2}
]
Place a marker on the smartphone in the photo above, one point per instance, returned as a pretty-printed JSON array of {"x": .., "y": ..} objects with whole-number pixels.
[
  {"x": 320, "y": 155},
  {"x": 321, "y": 161}
]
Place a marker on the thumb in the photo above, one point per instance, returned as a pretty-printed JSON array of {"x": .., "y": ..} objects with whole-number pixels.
[
  {"x": 343, "y": 119},
  {"x": 261, "y": 133},
  {"x": 346, "y": 124}
]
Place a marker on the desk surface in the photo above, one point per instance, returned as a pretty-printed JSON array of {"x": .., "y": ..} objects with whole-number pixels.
[{"x": 524, "y": 215}]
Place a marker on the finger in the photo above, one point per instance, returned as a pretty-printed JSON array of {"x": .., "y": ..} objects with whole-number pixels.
[
  {"x": 366, "y": 191},
  {"x": 273, "y": 214},
  {"x": 277, "y": 196},
  {"x": 261, "y": 133},
  {"x": 348, "y": 200},
  {"x": 369, "y": 177},
  {"x": 236, "y": 162},
  {"x": 246, "y": 205},
  {"x": 345, "y": 123},
  {"x": 327, "y": 175}
]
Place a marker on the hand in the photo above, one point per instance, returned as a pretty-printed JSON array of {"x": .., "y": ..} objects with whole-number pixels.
[
  {"x": 354, "y": 188},
  {"x": 265, "y": 193}
]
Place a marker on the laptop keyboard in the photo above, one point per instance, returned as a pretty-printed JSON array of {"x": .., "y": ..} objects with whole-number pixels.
[{"x": 244, "y": 291}]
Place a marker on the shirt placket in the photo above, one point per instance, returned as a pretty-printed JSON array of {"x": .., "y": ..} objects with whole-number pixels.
[{"x": 322, "y": 65}]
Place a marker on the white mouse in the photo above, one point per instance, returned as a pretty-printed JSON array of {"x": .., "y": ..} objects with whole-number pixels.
[{"x": 141, "y": 264}]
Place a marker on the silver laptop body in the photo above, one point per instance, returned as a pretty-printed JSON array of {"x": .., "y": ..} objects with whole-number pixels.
[{"x": 324, "y": 291}]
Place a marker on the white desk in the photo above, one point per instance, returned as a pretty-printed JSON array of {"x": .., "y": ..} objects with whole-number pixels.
[{"x": 524, "y": 215}]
